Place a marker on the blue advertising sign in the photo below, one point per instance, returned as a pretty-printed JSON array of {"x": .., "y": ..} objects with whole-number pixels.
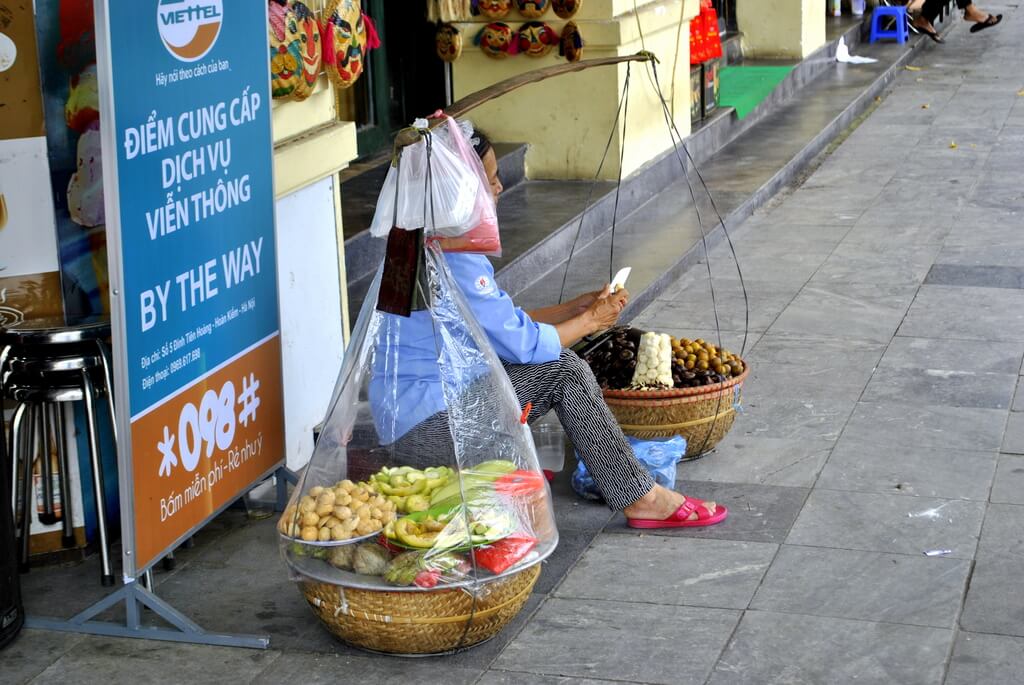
[{"x": 193, "y": 270}]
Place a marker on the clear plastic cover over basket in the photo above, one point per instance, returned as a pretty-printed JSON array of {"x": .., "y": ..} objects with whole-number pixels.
[{"x": 458, "y": 499}]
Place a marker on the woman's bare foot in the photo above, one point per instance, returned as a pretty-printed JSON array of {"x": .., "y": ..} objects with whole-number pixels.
[
  {"x": 659, "y": 503},
  {"x": 923, "y": 24},
  {"x": 972, "y": 13}
]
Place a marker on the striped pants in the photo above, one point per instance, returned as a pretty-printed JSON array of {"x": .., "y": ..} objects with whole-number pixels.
[{"x": 567, "y": 386}]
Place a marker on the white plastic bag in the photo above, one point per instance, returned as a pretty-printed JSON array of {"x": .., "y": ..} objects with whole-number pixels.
[{"x": 443, "y": 202}]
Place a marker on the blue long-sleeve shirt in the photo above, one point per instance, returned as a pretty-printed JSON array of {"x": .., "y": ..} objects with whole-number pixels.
[{"x": 402, "y": 397}]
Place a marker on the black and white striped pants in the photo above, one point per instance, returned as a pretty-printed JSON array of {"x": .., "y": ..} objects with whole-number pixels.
[{"x": 567, "y": 386}]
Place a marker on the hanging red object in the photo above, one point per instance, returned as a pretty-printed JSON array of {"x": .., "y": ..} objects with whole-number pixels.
[{"x": 713, "y": 42}]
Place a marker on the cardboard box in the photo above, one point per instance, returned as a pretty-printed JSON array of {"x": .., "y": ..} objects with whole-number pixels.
[
  {"x": 709, "y": 97},
  {"x": 696, "y": 93}
]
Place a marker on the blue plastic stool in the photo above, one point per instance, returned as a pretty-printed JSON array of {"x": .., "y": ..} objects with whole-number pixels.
[{"x": 901, "y": 32}]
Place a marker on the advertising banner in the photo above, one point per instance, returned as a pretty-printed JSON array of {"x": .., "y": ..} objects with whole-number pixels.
[
  {"x": 190, "y": 232},
  {"x": 29, "y": 280}
]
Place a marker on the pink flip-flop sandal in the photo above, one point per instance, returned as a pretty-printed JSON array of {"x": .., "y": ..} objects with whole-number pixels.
[{"x": 683, "y": 513}]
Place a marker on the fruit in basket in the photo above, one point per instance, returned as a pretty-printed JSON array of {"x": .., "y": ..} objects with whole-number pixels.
[
  {"x": 613, "y": 360},
  {"x": 337, "y": 513},
  {"x": 447, "y": 528},
  {"x": 698, "y": 362},
  {"x": 408, "y": 488},
  {"x": 341, "y": 557},
  {"x": 653, "y": 362},
  {"x": 370, "y": 559},
  {"x": 415, "y": 568}
]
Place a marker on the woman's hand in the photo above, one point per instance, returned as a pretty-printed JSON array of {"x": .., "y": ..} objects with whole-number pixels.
[
  {"x": 604, "y": 311},
  {"x": 582, "y": 302}
]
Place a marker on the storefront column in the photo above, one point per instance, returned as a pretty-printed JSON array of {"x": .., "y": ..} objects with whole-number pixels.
[
  {"x": 566, "y": 121},
  {"x": 781, "y": 29}
]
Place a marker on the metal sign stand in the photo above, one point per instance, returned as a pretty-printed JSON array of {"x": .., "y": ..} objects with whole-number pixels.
[{"x": 134, "y": 594}]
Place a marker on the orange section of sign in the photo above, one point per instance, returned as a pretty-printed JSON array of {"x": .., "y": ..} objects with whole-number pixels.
[{"x": 204, "y": 447}]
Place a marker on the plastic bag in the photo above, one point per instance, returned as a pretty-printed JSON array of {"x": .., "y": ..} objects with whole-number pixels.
[
  {"x": 483, "y": 238},
  {"x": 440, "y": 196},
  {"x": 454, "y": 204},
  {"x": 423, "y": 462},
  {"x": 658, "y": 456}
]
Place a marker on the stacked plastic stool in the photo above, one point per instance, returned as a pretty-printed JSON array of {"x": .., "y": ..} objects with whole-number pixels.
[{"x": 900, "y": 30}]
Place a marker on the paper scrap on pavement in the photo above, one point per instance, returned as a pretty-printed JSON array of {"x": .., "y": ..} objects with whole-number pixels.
[
  {"x": 938, "y": 552},
  {"x": 910, "y": 68},
  {"x": 843, "y": 55}
]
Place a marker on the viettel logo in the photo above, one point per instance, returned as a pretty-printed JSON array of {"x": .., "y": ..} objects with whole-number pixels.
[{"x": 189, "y": 28}]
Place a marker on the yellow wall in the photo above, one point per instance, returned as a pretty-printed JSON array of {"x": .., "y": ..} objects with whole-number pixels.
[
  {"x": 787, "y": 29},
  {"x": 567, "y": 120}
]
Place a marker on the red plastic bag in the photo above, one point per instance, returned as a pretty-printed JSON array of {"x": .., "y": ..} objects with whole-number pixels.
[
  {"x": 484, "y": 237},
  {"x": 503, "y": 554}
]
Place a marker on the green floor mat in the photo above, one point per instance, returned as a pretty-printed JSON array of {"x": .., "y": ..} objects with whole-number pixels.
[{"x": 745, "y": 87}]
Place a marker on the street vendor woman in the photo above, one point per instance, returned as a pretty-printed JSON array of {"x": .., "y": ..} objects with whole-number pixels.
[{"x": 532, "y": 348}]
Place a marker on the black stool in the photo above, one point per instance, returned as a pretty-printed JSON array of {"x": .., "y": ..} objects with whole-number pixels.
[{"x": 42, "y": 366}]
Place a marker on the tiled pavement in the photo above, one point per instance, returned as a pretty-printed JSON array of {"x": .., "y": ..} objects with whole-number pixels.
[{"x": 884, "y": 417}]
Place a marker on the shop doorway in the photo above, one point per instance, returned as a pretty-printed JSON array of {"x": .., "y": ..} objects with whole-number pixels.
[{"x": 404, "y": 79}]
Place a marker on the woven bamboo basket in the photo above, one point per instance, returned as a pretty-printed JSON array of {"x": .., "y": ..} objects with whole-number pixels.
[
  {"x": 702, "y": 415},
  {"x": 419, "y": 623}
]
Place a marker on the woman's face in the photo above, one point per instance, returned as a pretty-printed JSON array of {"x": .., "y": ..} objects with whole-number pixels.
[{"x": 490, "y": 161}]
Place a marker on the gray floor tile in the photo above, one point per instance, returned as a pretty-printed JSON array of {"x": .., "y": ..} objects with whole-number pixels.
[
  {"x": 691, "y": 305},
  {"x": 663, "y": 570},
  {"x": 768, "y": 413},
  {"x": 871, "y": 586},
  {"x": 948, "y": 387},
  {"x": 893, "y": 265},
  {"x": 1013, "y": 438},
  {"x": 32, "y": 652},
  {"x": 1018, "y": 396},
  {"x": 571, "y": 546},
  {"x": 780, "y": 648},
  {"x": 1008, "y": 485},
  {"x": 1004, "y": 531},
  {"x": 960, "y": 313},
  {"x": 861, "y": 311},
  {"x": 757, "y": 513},
  {"x": 103, "y": 660},
  {"x": 756, "y": 460},
  {"x": 623, "y": 641},
  {"x": 986, "y": 276},
  {"x": 986, "y": 659},
  {"x": 933, "y": 353},
  {"x": 878, "y": 234},
  {"x": 995, "y": 599},
  {"x": 819, "y": 358},
  {"x": 495, "y": 677},
  {"x": 327, "y": 669},
  {"x": 905, "y": 425},
  {"x": 888, "y": 523},
  {"x": 863, "y": 466}
]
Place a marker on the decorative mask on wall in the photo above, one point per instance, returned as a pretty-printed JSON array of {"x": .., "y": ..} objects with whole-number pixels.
[
  {"x": 448, "y": 42},
  {"x": 566, "y": 9},
  {"x": 497, "y": 40},
  {"x": 531, "y": 9},
  {"x": 536, "y": 38}
]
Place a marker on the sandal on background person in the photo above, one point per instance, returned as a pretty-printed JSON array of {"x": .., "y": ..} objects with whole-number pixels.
[{"x": 991, "y": 20}]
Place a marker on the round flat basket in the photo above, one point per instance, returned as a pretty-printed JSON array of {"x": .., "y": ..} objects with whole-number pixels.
[
  {"x": 702, "y": 415},
  {"x": 419, "y": 623}
]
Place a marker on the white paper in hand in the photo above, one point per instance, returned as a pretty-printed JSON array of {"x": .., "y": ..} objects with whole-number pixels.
[{"x": 619, "y": 281}]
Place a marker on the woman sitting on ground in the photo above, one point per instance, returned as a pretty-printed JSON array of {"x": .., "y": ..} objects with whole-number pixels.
[
  {"x": 531, "y": 346},
  {"x": 924, "y": 13}
]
